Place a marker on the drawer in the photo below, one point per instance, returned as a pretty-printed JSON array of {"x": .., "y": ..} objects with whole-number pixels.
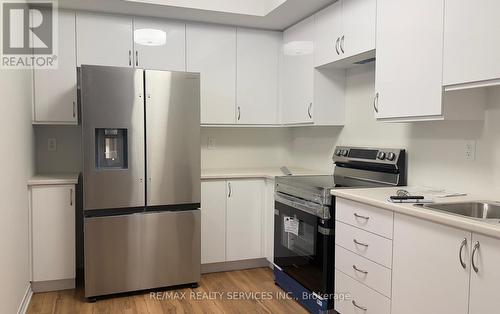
[
  {"x": 366, "y": 217},
  {"x": 369, "y": 273},
  {"x": 366, "y": 244},
  {"x": 359, "y": 294}
]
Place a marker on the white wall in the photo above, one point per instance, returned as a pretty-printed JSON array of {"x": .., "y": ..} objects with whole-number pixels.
[
  {"x": 436, "y": 149},
  {"x": 16, "y": 165}
]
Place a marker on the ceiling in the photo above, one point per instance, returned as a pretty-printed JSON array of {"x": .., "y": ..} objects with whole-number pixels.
[{"x": 266, "y": 14}]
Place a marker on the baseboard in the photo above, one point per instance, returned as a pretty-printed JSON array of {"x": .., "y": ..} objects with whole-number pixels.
[
  {"x": 235, "y": 265},
  {"x": 53, "y": 285},
  {"x": 25, "y": 302}
]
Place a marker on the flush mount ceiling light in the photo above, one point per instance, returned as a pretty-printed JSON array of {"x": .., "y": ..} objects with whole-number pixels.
[
  {"x": 298, "y": 48},
  {"x": 150, "y": 37},
  {"x": 246, "y": 7}
]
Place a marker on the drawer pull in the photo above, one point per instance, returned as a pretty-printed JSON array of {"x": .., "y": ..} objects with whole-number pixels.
[
  {"x": 359, "y": 270},
  {"x": 359, "y": 243},
  {"x": 361, "y": 217},
  {"x": 358, "y": 306}
]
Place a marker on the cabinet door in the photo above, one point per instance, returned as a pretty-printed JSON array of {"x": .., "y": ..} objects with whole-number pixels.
[
  {"x": 484, "y": 282},
  {"x": 257, "y": 76},
  {"x": 211, "y": 50},
  {"x": 298, "y": 75},
  {"x": 244, "y": 219},
  {"x": 104, "y": 40},
  {"x": 409, "y": 58},
  {"x": 213, "y": 221},
  {"x": 55, "y": 90},
  {"x": 53, "y": 221},
  {"x": 427, "y": 273},
  {"x": 327, "y": 34},
  {"x": 159, "y": 44},
  {"x": 358, "y": 24},
  {"x": 269, "y": 220},
  {"x": 471, "y": 41}
]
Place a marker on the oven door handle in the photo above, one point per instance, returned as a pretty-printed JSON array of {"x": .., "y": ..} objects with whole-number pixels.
[{"x": 315, "y": 210}]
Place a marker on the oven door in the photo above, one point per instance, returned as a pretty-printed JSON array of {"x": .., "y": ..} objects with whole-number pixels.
[{"x": 303, "y": 246}]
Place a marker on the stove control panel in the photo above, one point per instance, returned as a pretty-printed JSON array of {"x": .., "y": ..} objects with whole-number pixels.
[{"x": 371, "y": 155}]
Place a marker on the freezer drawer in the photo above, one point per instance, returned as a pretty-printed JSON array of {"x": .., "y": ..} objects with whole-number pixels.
[{"x": 141, "y": 251}]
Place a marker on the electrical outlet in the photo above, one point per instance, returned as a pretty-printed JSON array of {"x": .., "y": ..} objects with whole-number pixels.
[
  {"x": 211, "y": 143},
  {"x": 470, "y": 150},
  {"x": 52, "y": 145}
]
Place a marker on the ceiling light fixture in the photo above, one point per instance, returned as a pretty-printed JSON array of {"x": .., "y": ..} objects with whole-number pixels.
[{"x": 150, "y": 37}]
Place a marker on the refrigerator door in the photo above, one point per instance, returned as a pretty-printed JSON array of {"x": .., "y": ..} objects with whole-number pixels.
[
  {"x": 112, "y": 254},
  {"x": 171, "y": 248},
  {"x": 113, "y": 137},
  {"x": 173, "y": 138}
]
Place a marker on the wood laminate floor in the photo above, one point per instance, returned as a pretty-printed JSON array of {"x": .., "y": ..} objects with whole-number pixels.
[{"x": 245, "y": 291}]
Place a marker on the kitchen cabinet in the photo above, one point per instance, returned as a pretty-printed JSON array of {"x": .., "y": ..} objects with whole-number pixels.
[
  {"x": 345, "y": 31},
  {"x": 484, "y": 282},
  {"x": 213, "y": 221},
  {"x": 55, "y": 90},
  {"x": 268, "y": 233},
  {"x": 159, "y": 44},
  {"x": 257, "y": 76},
  {"x": 409, "y": 59},
  {"x": 104, "y": 40},
  {"x": 211, "y": 50},
  {"x": 53, "y": 234},
  {"x": 309, "y": 95},
  {"x": 244, "y": 219},
  {"x": 471, "y": 44},
  {"x": 428, "y": 275},
  {"x": 232, "y": 220}
]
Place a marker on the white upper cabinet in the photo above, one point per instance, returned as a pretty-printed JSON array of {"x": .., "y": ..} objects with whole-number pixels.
[
  {"x": 345, "y": 30},
  {"x": 104, "y": 40},
  {"x": 211, "y": 50},
  {"x": 471, "y": 43},
  {"x": 409, "y": 59},
  {"x": 257, "y": 76},
  {"x": 55, "y": 91},
  {"x": 485, "y": 277},
  {"x": 159, "y": 44},
  {"x": 298, "y": 73},
  {"x": 431, "y": 264}
]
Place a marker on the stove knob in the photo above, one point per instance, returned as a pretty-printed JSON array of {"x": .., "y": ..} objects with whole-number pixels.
[
  {"x": 344, "y": 152},
  {"x": 381, "y": 155},
  {"x": 391, "y": 156},
  {"x": 338, "y": 152}
]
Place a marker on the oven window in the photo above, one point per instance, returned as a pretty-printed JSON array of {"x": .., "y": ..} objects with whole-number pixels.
[{"x": 299, "y": 240}]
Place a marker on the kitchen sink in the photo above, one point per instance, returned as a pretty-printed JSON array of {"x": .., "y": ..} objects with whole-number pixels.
[{"x": 477, "y": 210}]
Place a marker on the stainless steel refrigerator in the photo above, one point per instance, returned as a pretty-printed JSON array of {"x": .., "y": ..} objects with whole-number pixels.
[{"x": 141, "y": 178}]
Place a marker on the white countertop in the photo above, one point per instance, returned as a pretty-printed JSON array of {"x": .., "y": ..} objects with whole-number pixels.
[
  {"x": 378, "y": 197},
  {"x": 243, "y": 173},
  {"x": 53, "y": 179}
]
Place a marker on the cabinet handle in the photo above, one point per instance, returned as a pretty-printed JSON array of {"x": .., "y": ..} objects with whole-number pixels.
[
  {"x": 462, "y": 246},
  {"x": 476, "y": 247},
  {"x": 309, "y": 110},
  {"x": 230, "y": 189},
  {"x": 70, "y": 197},
  {"x": 375, "y": 103},
  {"x": 74, "y": 109},
  {"x": 342, "y": 44},
  {"x": 359, "y": 243},
  {"x": 359, "y": 270},
  {"x": 136, "y": 58},
  {"x": 337, "y": 46},
  {"x": 130, "y": 57},
  {"x": 362, "y": 308},
  {"x": 239, "y": 113},
  {"x": 362, "y": 217}
]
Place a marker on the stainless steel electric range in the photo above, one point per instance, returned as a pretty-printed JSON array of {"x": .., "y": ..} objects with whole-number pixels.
[{"x": 304, "y": 224}]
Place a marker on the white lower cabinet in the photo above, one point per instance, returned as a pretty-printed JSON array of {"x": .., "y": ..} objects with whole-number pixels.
[
  {"x": 232, "y": 220},
  {"x": 428, "y": 276},
  {"x": 53, "y": 233},
  {"x": 485, "y": 281}
]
